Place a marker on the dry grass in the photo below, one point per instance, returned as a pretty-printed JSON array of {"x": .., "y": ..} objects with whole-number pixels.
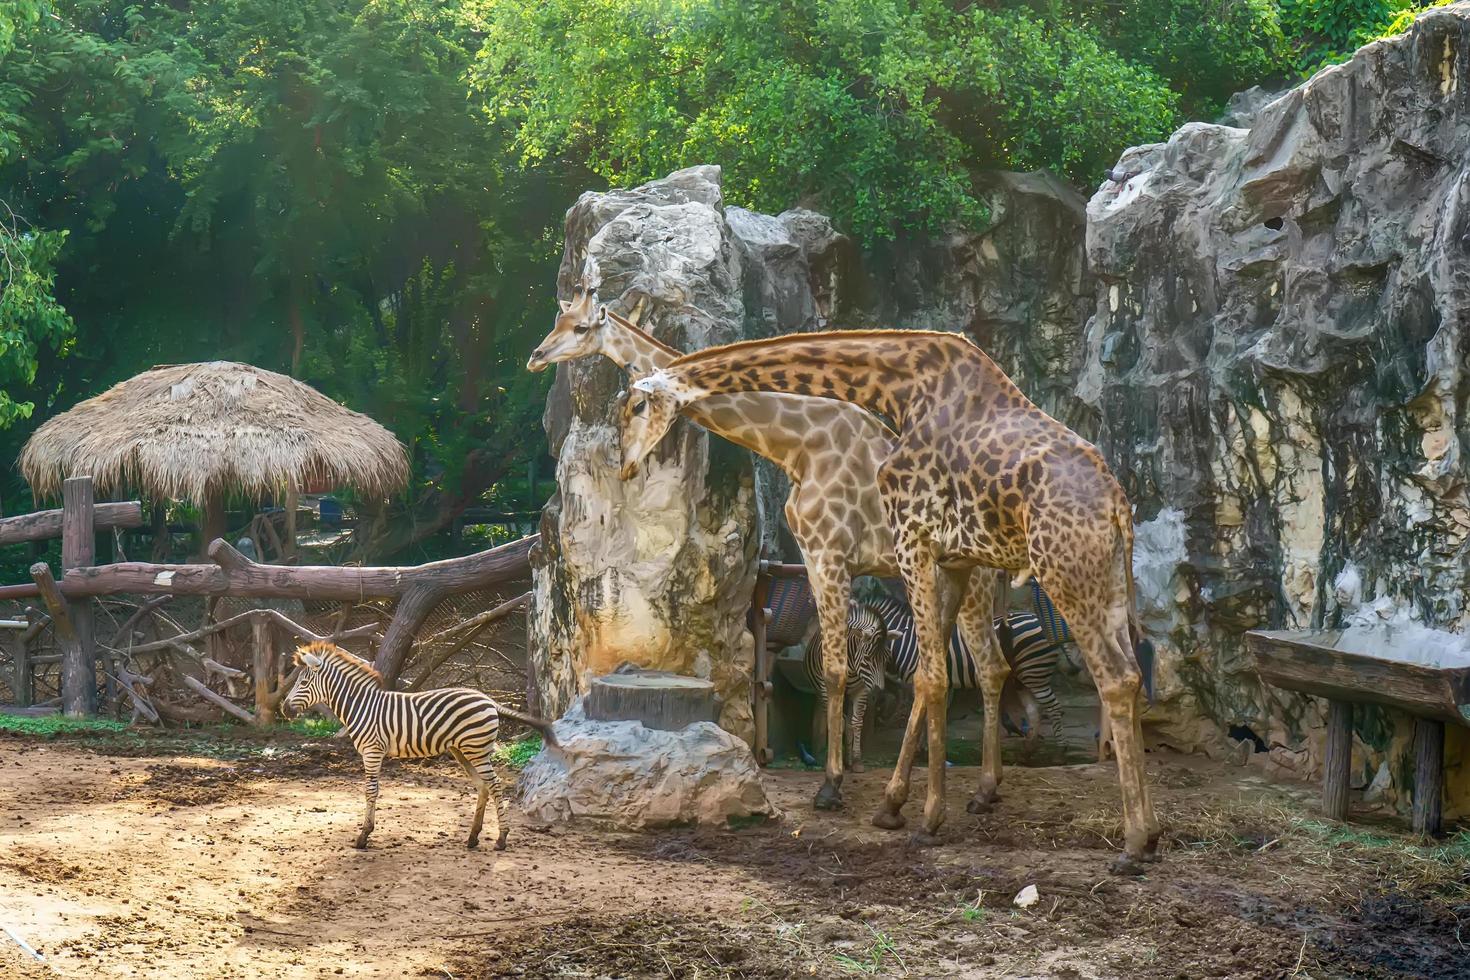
[{"x": 185, "y": 432}]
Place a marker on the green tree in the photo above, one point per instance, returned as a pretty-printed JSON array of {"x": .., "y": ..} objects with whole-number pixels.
[{"x": 304, "y": 185}]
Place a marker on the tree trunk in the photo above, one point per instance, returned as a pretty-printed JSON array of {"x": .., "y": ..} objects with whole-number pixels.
[{"x": 213, "y": 521}]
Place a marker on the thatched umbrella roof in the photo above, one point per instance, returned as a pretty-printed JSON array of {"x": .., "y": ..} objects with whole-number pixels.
[{"x": 198, "y": 432}]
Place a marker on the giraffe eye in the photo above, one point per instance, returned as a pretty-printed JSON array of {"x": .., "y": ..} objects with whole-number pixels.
[
  {"x": 581, "y": 328},
  {"x": 638, "y": 407}
]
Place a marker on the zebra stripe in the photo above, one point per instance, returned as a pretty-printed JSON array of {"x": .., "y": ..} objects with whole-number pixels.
[
  {"x": 866, "y": 645},
  {"x": 1032, "y": 655},
  {"x": 403, "y": 725}
]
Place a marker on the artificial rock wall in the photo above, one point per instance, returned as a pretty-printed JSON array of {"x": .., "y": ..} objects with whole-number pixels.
[
  {"x": 658, "y": 571},
  {"x": 1278, "y": 366}
]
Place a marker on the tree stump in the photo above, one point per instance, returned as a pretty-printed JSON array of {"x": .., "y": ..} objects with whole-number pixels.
[{"x": 655, "y": 698}]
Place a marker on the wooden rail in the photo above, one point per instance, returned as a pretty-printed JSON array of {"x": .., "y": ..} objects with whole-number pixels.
[{"x": 45, "y": 524}]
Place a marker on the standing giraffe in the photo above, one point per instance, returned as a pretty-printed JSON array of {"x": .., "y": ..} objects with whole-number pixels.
[
  {"x": 831, "y": 451},
  {"x": 978, "y": 476}
]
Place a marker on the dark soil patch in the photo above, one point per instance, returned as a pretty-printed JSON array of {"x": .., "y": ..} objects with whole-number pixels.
[
  {"x": 1398, "y": 934},
  {"x": 640, "y": 946}
]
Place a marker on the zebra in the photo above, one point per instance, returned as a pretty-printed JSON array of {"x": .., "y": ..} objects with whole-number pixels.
[
  {"x": 1028, "y": 647},
  {"x": 401, "y": 725},
  {"x": 867, "y": 641}
]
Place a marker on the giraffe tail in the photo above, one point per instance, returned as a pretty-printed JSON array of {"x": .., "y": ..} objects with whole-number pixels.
[
  {"x": 541, "y": 725},
  {"x": 1143, "y": 647}
]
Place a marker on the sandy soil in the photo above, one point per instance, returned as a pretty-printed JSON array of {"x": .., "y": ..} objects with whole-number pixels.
[{"x": 135, "y": 865}]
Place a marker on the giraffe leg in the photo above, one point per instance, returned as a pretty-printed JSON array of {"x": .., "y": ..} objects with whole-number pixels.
[
  {"x": 934, "y": 606},
  {"x": 832, "y": 590},
  {"x": 372, "y": 769},
  {"x": 978, "y": 629}
]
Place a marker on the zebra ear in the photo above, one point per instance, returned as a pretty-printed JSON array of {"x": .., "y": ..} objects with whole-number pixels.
[{"x": 311, "y": 660}]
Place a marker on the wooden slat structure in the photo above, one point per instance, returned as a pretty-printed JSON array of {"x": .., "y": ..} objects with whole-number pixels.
[{"x": 1314, "y": 662}]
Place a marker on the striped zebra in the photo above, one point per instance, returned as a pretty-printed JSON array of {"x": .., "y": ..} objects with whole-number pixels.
[
  {"x": 400, "y": 725},
  {"x": 1028, "y": 647},
  {"x": 867, "y": 639}
]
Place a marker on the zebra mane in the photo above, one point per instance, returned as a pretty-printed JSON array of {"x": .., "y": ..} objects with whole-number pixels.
[{"x": 349, "y": 662}]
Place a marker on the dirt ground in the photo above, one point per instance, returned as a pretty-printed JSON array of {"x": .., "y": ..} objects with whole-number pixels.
[{"x": 142, "y": 858}]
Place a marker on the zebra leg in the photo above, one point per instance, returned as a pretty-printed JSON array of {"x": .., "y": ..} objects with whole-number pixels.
[
  {"x": 481, "y": 791},
  {"x": 499, "y": 824},
  {"x": 1033, "y": 714},
  {"x": 372, "y": 768},
  {"x": 855, "y": 728},
  {"x": 977, "y": 630}
]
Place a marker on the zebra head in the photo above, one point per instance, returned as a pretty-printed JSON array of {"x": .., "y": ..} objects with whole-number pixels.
[{"x": 311, "y": 687}]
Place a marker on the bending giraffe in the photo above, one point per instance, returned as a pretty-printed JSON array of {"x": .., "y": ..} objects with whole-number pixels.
[
  {"x": 831, "y": 452},
  {"x": 978, "y": 477}
]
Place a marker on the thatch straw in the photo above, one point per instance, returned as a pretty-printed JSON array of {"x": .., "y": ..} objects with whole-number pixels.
[{"x": 189, "y": 431}]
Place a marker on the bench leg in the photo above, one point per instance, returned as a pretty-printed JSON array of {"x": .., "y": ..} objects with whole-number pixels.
[
  {"x": 1428, "y": 776},
  {"x": 1338, "y": 762}
]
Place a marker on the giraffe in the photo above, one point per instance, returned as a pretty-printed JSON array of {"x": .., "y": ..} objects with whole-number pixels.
[
  {"x": 831, "y": 451},
  {"x": 978, "y": 477}
]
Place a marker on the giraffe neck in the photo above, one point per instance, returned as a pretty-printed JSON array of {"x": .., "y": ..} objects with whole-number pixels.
[
  {"x": 900, "y": 374},
  {"x": 632, "y": 349},
  {"x": 771, "y": 425}
]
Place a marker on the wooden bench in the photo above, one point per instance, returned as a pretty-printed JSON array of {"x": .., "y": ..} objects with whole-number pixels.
[{"x": 1436, "y": 692}]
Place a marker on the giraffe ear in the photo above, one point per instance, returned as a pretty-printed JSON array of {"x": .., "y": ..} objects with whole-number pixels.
[
  {"x": 602, "y": 317},
  {"x": 564, "y": 305}
]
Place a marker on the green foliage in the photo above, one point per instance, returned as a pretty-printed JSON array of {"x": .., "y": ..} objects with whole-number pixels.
[
  {"x": 313, "y": 727},
  {"x": 51, "y": 726},
  {"x": 517, "y": 754},
  {"x": 1329, "y": 31},
  {"x": 877, "y": 110},
  {"x": 30, "y": 317},
  {"x": 306, "y": 186}
]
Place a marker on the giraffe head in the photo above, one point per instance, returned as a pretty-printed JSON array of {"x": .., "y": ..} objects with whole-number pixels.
[
  {"x": 647, "y": 410},
  {"x": 577, "y": 332}
]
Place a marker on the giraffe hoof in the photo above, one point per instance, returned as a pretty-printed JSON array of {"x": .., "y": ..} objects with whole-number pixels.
[
  {"x": 889, "y": 819},
  {"x": 1128, "y": 867},
  {"x": 472, "y": 843},
  {"x": 360, "y": 843},
  {"x": 829, "y": 797},
  {"x": 921, "y": 838}
]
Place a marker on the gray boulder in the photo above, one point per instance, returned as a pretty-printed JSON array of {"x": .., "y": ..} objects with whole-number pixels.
[{"x": 619, "y": 774}]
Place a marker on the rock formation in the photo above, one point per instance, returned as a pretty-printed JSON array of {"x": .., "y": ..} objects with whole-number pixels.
[
  {"x": 622, "y": 775},
  {"x": 1278, "y": 367}
]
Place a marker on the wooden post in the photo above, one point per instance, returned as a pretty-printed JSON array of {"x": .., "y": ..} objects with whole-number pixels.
[
  {"x": 21, "y": 684},
  {"x": 761, "y": 688},
  {"x": 213, "y": 520},
  {"x": 265, "y": 670},
  {"x": 1337, "y": 765},
  {"x": 76, "y": 690},
  {"x": 288, "y": 543},
  {"x": 1428, "y": 776},
  {"x": 79, "y": 550}
]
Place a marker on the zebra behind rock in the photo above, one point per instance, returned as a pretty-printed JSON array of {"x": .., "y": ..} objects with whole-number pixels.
[
  {"x": 402, "y": 725},
  {"x": 1030, "y": 651},
  {"x": 867, "y": 643}
]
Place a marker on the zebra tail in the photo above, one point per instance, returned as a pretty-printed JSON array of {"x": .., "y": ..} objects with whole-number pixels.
[{"x": 540, "y": 724}]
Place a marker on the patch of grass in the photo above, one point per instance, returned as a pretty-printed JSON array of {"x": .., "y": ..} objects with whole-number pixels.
[
  {"x": 50, "y": 726},
  {"x": 313, "y": 727},
  {"x": 515, "y": 755},
  {"x": 871, "y": 963}
]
